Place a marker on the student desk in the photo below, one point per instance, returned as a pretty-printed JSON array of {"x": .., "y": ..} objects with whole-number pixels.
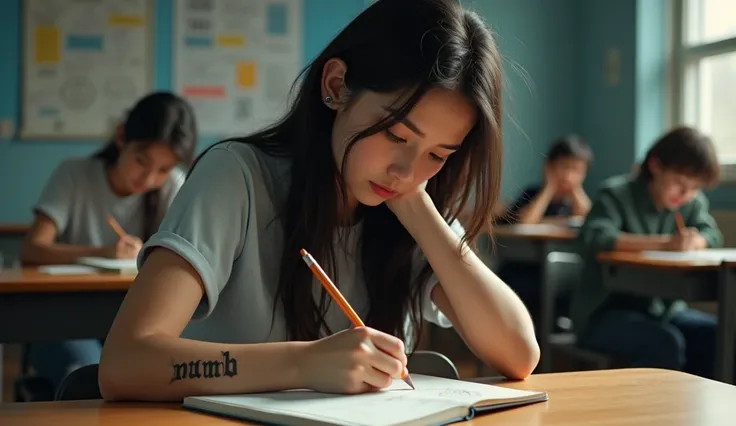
[
  {"x": 39, "y": 307},
  {"x": 636, "y": 397},
  {"x": 692, "y": 281},
  {"x": 532, "y": 244}
]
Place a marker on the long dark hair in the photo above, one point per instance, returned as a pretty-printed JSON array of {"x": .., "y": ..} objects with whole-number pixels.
[
  {"x": 159, "y": 117},
  {"x": 392, "y": 46}
]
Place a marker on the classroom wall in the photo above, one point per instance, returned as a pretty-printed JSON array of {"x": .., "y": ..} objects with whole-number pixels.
[
  {"x": 622, "y": 120},
  {"x": 556, "y": 82},
  {"x": 537, "y": 37}
]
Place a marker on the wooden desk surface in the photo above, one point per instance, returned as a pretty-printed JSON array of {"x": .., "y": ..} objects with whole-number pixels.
[
  {"x": 28, "y": 280},
  {"x": 636, "y": 259},
  {"x": 635, "y": 397},
  {"x": 547, "y": 232},
  {"x": 14, "y": 229}
]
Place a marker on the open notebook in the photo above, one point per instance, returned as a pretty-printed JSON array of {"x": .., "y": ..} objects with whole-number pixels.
[
  {"x": 435, "y": 401},
  {"x": 122, "y": 266}
]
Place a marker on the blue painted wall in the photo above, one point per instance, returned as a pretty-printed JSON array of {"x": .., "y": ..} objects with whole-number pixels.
[{"x": 555, "y": 59}]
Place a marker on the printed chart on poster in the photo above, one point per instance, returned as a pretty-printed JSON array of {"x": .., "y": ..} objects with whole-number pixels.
[
  {"x": 235, "y": 60},
  {"x": 85, "y": 63}
]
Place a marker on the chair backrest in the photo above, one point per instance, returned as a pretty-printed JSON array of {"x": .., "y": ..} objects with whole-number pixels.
[
  {"x": 80, "y": 384},
  {"x": 562, "y": 271},
  {"x": 432, "y": 363}
]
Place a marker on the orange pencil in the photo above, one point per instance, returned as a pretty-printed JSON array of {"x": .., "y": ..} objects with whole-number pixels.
[
  {"x": 341, "y": 301},
  {"x": 680, "y": 222},
  {"x": 116, "y": 226}
]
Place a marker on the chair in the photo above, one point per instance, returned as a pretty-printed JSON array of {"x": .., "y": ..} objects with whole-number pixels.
[
  {"x": 432, "y": 363},
  {"x": 562, "y": 273},
  {"x": 29, "y": 388},
  {"x": 80, "y": 384}
]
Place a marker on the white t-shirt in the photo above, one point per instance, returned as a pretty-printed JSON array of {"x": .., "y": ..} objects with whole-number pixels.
[
  {"x": 222, "y": 223},
  {"x": 78, "y": 198}
]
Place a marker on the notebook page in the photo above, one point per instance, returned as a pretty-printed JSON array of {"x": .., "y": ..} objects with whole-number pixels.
[
  {"x": 396, "y": 404},
  {"x": 66, "y": 270},
  {"x": 715, "y": 255}
]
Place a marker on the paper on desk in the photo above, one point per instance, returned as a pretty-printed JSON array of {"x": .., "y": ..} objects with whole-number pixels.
[
  {"x": 714, "y": 255},
  {"x": 67, "y": 270}
]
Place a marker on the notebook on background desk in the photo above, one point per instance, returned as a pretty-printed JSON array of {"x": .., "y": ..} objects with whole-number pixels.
[
  {"x": 91, "y": 265},
  {"x": 436, "y": 401}
]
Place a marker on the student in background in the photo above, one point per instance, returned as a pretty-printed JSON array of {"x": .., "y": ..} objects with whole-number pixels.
[
  {"x": 562, "y": 193},
  {"x": 387, "y": 136},
  {"x": 133, "y": 178},
  {"x": 560, "y": 197},
  {"x": 638, "y": 213}
]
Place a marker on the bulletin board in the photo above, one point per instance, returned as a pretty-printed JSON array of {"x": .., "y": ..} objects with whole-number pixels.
[
  {"x": 85, "y": 62},
  {"x": 235, "y": 60}
]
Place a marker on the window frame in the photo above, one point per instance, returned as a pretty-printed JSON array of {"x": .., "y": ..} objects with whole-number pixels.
[{"x": 684, "y": 72}]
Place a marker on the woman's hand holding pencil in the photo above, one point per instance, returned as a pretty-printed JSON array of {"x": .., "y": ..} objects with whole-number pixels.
[
  {"x": 127, "y": 246},
  {"x": 357, "y": 360}
]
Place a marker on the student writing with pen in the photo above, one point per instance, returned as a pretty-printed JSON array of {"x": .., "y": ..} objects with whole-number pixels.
[
  {"x": 395, "y": 121},
  {"x": 133, "y": 178}
]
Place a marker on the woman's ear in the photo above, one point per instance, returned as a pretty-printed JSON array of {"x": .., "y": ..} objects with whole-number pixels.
[{"x": 334, "y": 91}]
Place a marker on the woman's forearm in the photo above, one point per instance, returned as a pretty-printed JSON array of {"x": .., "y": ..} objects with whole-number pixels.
[
  {"x": 491, "y": 317},
  {"x": 165, "y": 368}
]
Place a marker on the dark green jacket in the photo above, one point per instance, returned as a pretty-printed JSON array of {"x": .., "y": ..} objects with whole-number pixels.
[{"x": 624, "y": 205}]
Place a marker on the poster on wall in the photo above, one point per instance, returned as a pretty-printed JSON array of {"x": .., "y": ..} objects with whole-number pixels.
[
  {"x": 235, "y": 60},
  {"x": 85, "y": 62}
]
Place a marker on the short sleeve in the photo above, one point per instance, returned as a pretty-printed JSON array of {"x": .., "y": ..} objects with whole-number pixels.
[
  {"x": 207, "y": 220},
  {"x": 174, "y": 184},
  {"x": 430, "y": 311},
  {"x": 57, "y": 197}
]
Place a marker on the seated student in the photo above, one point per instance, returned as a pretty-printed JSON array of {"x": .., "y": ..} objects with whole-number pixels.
[
  {"x": 134, "y": 179},
  {"x": 638, "y": 213},
  {"x": 562, "y": 194},
  {"x": 388, "y": 131}
]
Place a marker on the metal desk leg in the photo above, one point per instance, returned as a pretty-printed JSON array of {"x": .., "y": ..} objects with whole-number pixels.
[{"x": 726, "y": 333}]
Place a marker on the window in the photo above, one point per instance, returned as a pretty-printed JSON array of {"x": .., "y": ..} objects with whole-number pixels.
[{"x": 705, "y": 73}]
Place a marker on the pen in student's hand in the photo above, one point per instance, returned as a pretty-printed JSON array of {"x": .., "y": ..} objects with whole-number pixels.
[
  {"x": 680, "y": 222},
  {"x": 116, "y": 226},
  {"x": 341, "y": 301}
]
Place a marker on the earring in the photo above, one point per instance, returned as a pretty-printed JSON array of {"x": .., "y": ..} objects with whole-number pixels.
[{"x": 328, "y": 100}]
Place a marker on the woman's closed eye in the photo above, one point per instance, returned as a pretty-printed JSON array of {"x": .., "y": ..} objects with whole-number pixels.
[{"x": 393, "y": 138}]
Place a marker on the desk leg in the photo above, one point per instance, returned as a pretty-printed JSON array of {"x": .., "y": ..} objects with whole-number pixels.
[
  {"x": 546, "y": 314},
  {"x": 2, "y": 372},
  {"x": 726, "y": 334}
]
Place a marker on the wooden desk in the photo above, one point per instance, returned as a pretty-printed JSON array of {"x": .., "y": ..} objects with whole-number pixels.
[
  {"x": 637, "y": 397},
  {"x": 692, "y": 281},
  {"x": 36, "y": 307},
  {"x": 531, "y": 243}
]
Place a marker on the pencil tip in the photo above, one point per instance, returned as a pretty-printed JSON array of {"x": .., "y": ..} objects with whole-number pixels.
[{"x": 409, "y": 381}]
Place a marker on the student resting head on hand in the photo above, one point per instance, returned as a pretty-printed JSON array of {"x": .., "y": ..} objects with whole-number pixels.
[{"x": 393, "y": 125}]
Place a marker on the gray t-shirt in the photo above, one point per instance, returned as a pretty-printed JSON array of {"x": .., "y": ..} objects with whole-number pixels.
[
  {"x": 222, "y": 223},
  {"x": 78, "y": 198}
]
